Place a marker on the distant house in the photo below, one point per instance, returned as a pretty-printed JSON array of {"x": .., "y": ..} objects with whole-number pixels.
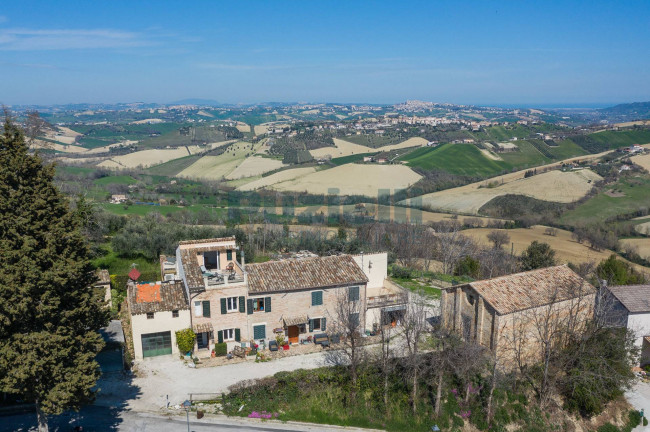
[
  {"x": 368, "y": 158},
  {"x": 118, "y": 199},
  {"x": 630, "y": 308},
  {"x": 382, "y": 160}
]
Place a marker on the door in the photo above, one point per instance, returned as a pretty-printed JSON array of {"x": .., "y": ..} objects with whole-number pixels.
[
  {"x": 293, "y": 331},
  {"x": 156, "y": 344},
  {"x": 202, "y": 340}
]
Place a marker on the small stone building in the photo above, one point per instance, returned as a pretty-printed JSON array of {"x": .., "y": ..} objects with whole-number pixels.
[
  {"x": 629, "y": 307},
  {"x": 488, "y": 311}
]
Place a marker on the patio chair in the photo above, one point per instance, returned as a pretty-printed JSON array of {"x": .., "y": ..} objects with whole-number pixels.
[
  {"x": 273, "y": 345},
  {"x": 206, "y": 272}
]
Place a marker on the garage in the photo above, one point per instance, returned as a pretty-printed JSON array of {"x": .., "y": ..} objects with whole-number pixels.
[{"x": 156, "y": 344}]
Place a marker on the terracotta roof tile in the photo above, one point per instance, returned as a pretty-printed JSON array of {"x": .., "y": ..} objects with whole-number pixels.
[
  {"x": 211, "y": 240},
  {"x": 193, "y": 273},
  {"x": 635, "y": 298},
  {"x": 166, "y": 296},
  {"x": 304, "y": 273},
  {"x": 520, "y": 291}
]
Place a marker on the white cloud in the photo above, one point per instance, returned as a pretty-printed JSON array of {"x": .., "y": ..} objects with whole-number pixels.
[{"x": 21, "y": 39}]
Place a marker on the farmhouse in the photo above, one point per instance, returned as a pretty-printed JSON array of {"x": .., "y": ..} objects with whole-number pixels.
[
  {"x": 158, "y": 310},
  {"x": 491, "y": 311},
  {"x": 629, "y": 307},
  {"x": 118, "y": 199},
  {"x": 227, "y": 300}
]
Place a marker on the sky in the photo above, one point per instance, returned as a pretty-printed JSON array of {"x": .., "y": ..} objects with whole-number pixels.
[{"x": 551, "y": 53}]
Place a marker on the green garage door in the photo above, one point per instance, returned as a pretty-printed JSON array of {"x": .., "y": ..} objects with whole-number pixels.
[{"x": 156, "y": 344}]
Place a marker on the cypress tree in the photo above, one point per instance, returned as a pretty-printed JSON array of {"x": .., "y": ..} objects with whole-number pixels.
[{"x": 49, "y": 314}]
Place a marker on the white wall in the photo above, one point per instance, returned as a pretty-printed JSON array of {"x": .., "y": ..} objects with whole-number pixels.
[
  {"x": 161, "y": 322},
  {"x": 375, "y": 266},
  {"x": 639, "y": 323}
]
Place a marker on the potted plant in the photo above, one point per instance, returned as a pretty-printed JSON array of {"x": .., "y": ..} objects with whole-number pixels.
[{"x": 212, "y": 354}]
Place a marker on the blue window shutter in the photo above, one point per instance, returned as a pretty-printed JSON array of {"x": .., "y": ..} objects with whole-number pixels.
[
  {"x": 323, "y": 324},
  {"x": 242, "y": 304},
  {"x": 249, "y": 304},
  {"x": 267, "y": 304},
  {"x": 237, "y": 335}
]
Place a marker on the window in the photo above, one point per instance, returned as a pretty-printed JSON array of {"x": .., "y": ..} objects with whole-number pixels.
[
  {"x": 149, "y": 315},
  {"x": 317, "y": 298},
  {"x": 317, "y": 324},
  {"x": 229, "y": 255},
  {"x": 354, "y": 320},
  {"x": 231, "y": 304},
  {"x": 198, "y": 308},
  {"x": 353, "y": 293},
  {"x": 229, "y": 334},
  {"x": 174, "y": 314},
  {"x": 258, "y": 304}
]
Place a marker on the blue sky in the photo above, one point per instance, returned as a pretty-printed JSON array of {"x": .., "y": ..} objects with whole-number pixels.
[{"x": 483, "y": 52}]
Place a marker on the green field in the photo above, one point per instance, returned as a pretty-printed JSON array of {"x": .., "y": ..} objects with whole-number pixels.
[
  {"x": 527, "y": 156},
  {"x": 461, "y": 159},
  {"x": 616, "y": 139},
  {"x": 636, "y": 194},
  {"x": 173, "y": 167},
  {"x": 123, "y": 179},
  {"x": 121, "y": 266},
  {"x": 350, "y": 159}
]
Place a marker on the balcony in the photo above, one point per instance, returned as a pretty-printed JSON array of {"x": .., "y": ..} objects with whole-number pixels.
[{"x": 385, "y": 300}]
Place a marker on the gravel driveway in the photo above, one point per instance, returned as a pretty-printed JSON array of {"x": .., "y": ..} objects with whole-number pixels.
[
  {"x": 166, "y": 379},
  {"x": 639, "y": 398}
]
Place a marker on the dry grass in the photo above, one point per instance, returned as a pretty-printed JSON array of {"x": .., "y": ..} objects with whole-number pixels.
[
  {"x": 642, "y": 246},
  {"x": 254, "y": 165},
  {"x": 218, "y": 167},
  {"x": 411, "y": 142},
  {"x": 556, "y": 186},
  {"x": 145, "y": 158},
  {"x": 643, "y": 228},
  {"x": 148, "y": 121},
  {"x": 342, "y": 148},
  {"x": 488, "y": 154},
  {"x": 566, "y": 249},
  {"x": 354, "y": 179},
  {"x": 642, "y": 160},
  {"x": 63, "y": 148},
  {"x": 278, "y": 177}
]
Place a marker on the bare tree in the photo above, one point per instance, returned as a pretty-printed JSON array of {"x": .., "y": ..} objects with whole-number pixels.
[
  {"x": 34, "y": 126},
  {"x": 414, "y": 326},
  {"x": 385, "y": 357},
  {"x": 346, "y": 314},
  {"x": 453, "y": 245},
  {"x": 498, "y": 238}
]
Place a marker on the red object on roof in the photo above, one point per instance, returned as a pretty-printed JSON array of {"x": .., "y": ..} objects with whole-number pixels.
[
  {"x": 134, "y": 274},
  {"x": 148, "y": 292}
]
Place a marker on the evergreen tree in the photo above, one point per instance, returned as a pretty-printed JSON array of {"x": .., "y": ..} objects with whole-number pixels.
[
  {"x": 537, "y": 255},
  {"x": 49, "y": 315}
]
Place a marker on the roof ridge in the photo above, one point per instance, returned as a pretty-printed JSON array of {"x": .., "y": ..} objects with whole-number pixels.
[{"x": 517, "y": 274}]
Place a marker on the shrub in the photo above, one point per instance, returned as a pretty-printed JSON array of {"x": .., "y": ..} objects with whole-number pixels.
[
  {"x": 402, "y": 272},
  {"x": 185, "y": 340},
  {"x": 220, "y": 349},
  {"x": 645, "y": 421},
  {"x": 608, "y": 427}
]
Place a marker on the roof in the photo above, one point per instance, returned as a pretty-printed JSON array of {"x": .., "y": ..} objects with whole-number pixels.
[
  {"x": 635, "y": 298},
  {"x": 304, "y": 273},
  {"x": 191, "y": 269},
  {"x": 210, "y": 240},
  {"x": 113, "y": 332},
  {"x": 166, "y": 296},
  {"x": 521, "y": 291},
  {"x": 296, "y": 320}
]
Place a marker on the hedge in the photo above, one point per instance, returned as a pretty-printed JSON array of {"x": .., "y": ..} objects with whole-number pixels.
[{"x": 220, "y": 349}]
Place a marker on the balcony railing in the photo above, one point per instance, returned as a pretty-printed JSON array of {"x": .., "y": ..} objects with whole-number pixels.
[{"x": 386, "y": 300}]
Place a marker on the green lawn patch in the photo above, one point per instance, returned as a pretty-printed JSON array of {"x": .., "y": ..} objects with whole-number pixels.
[
  {"x": 173, "y": 167},
  {"x": 635, "y": 193},
  {"x": 122, "y": 179},
  {"x": 121, "y": 266}
]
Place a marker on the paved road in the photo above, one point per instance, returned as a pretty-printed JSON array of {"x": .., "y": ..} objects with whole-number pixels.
[
  {"x": 95, "y": 419},
  {"x": 639, "y": 398}
]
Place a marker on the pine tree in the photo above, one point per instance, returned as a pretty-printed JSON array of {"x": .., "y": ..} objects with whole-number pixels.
[{"x": 49, "y": 314}]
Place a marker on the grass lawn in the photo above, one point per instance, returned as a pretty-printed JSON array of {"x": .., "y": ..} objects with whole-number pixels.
[
  {"x": 417, "y": 286},
  {"x": 122, "y": 179},
  {"x": 616, "y": 139},
  {"x": 636, "y": 194},
  {"x": 461, "y": 159},
  {"x": 142, "y": 210},
  {"x": 122, "y": 266},
  {"x": 566, "y": 149}
]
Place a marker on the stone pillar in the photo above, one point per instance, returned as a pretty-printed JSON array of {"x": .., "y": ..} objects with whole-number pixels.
[
  {"x": 479, "y": 320},
  {"x": 458, "y": 319}
]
